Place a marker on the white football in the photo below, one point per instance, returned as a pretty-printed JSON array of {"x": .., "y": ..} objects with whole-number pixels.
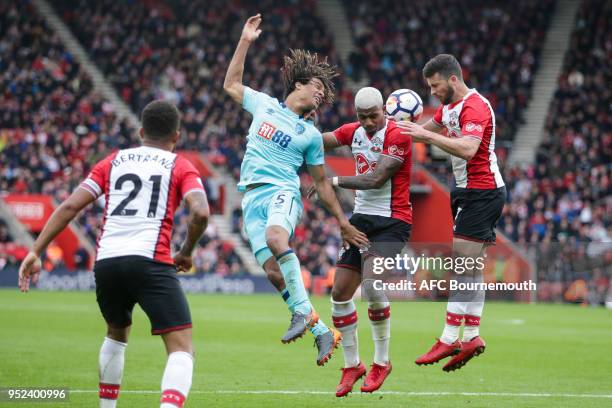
[{"x": 404, "y": 104}]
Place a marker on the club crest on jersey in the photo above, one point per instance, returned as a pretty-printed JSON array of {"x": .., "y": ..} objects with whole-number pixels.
[
  {"x": 454, "y": 119},
  {"x": 377, "y": 140},
  {"x": 266, "y": 130},
  {"x": 375, "y": 149},
  {"x": 299, "y": 128}
]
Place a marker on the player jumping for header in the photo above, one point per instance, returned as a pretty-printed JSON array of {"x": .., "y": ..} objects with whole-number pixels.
[
  {"x": 280, "y": 139},
  {"x": 476, "y": 202},
  {"x": 383, "y": 162}
]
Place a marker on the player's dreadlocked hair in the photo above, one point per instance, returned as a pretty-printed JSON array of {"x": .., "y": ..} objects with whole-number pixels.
[{"x": 301, "y": 66}]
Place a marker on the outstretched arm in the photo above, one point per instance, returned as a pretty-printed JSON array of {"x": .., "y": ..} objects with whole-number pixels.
[
  {"x": 464, "y": 147},
  {"x": 233, "y": 78},
  {"x": 61, "y": 217}
]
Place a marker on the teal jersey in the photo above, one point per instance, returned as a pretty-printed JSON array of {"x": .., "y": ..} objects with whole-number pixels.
[{"x": 278, "y": 143}]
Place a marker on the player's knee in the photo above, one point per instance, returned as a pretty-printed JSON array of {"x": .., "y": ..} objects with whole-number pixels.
[
  {"x": 276, "y": 241},
  {"x": 118, "y": 334},
  {"x": 340, "y": 295},
  {"x": 179, "y": 340}
]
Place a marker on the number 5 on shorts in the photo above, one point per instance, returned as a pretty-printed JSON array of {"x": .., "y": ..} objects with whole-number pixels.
[{"x": 282, "y": 202}]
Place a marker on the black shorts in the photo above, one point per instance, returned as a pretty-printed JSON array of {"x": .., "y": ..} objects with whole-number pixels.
[
  {"x": 123, "y": 281},
  {"x": 476, "y": 213},
  {"x": 387, "y": 236}
]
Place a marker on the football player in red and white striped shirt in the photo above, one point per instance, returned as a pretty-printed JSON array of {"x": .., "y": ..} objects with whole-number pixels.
[
  {"x": 142, "y": 188},
  {"x": 383, "y": 164},
  {"x": 476, "y": 202}
]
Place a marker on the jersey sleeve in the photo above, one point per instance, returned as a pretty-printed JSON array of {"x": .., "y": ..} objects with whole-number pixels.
[
  {"x": 474, "y": 118},
  {"x": 188, "y": 178},
  {"x": 252, "y": 99},
  {"x": 344, "y": 134},
  {"x": 97, "y": 180},
  {"x": 314, "y": 153},
  {"x": 437, "y": 116},
  {"x": 397, "y": 145}
]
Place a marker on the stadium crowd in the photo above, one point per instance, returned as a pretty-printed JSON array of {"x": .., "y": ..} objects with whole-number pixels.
[
  {"x": 54, "y": 126},
  {"x": 560, "y": 207},
  {"x": 498, "y": 44},
  {"x": 565, "y": 195},
  {"x": 181, "y": 52}
]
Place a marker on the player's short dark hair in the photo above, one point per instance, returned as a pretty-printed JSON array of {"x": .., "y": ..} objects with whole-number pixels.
[
  {"x": 160, "y": 120},
  {"x": 302, "y": 66},
  {"x": 443, "y": 64}
]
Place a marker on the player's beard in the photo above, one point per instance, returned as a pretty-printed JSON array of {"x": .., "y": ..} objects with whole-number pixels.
[{"x": 448, "y": 98}]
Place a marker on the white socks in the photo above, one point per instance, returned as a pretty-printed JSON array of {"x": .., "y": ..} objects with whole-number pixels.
[
  {"x": 456, "y": 313},
  {"x": 176, "y": 381},
  {"x": 344, "y": 317},
  {"x": 380, "y": 320},
  {"x": 111, "y": 361},
  {"x": 454, "y": 317},
  {"x": 473, "y": 311}
]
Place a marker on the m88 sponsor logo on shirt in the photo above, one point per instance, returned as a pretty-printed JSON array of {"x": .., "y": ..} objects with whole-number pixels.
[{"x": 269, "y": 132}]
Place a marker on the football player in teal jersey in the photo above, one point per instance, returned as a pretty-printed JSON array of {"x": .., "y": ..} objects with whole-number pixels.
[{"x": 279, "y": 140}]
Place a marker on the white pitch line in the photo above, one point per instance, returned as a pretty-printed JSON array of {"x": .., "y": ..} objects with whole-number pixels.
[{"x": 402, "y": 393}]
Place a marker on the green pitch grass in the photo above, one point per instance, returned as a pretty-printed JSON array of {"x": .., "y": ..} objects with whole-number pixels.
[{"x": 537, "y": 355}]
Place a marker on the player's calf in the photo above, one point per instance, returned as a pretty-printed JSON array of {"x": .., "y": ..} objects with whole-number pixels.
[
  {"x": 177, "y": 378},
  {"x": 274, "y": 274},
  {"x": 111, "y": 362},
  {"x": 176, "y": 381}
]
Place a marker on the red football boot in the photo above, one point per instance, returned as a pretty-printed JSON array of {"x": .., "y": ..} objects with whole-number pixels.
[
  {"x": 469, "y": 349},
  {"x": 438, "y": 352},
  {"x": 376, "y": 377},
  {"x": 350, "y": 376}
]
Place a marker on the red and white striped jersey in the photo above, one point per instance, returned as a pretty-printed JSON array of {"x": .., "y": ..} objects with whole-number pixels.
[
  {"x": 142, "y": 187},
  {"x": 473, "y": 116},
  {"x": 393, "y": 198}
]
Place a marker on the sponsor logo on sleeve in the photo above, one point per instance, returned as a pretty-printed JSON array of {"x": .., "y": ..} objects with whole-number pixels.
[
  {"x": 396, "y": 151},
  {"x": 471, "y": 127}
]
